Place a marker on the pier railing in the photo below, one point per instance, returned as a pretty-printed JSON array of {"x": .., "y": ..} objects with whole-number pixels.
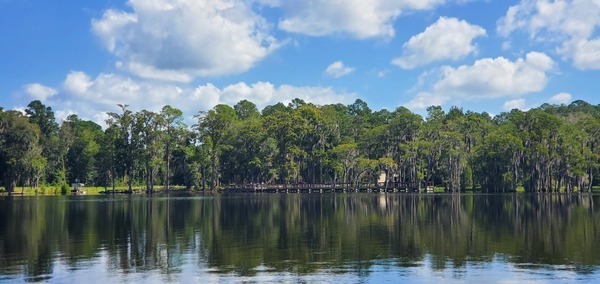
[{"x": 324, "y": 187}]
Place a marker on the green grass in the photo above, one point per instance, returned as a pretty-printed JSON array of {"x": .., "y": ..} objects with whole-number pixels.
[
  {"x": 40, "y": 190},
  {"x": 46, "y": 190},
  {"x": 595, "y": 189},
  {"x": 89, "y": 190},
  {"x": 439, "y": 189}
]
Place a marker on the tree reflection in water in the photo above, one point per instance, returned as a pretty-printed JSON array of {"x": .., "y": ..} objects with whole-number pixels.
[{"x": 300, "y": 234}]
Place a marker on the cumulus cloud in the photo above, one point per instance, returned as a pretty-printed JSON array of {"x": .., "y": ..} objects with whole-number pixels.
[
  {"x": 92, "y": 97},
  {"x": 357, "y": 18},
  {"x": 446, "y": 39},
  {"x": 338, "y": 69},
  {"x": 77, "y": 82},
  {"x": 576, "y": 18},
  {"x": 570, "y": 24},
  {"x": 316, "y": 95},
  {"x": 499, "y": 77},
  {"x": 488, "y": 78},
  {"x": 584, "y": 53},
  {"x": 424, "y": 100},
  {"x": 264, "y": 93},
  {"x": 39, "y": 92},
  {"x": 561, "y": 98},
  {"x": 180, "y": 40},
  {"x": 514, "y": 104}
]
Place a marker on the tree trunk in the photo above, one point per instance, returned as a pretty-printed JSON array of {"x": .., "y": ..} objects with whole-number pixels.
[
  {"x": 591, "y": 178},
  {"x": 151, "y": 180},
  {"x": 334, "y": 178},
  {"x": 168, "y": 166},
  {"x": 147, "y": 177},
  {"x": 213, "y": 159},
  {"x": 11, "y": 187},
  {"x": 130, "y": 180},
  {"x": 203, "y": 170},
  {"x": 112, "y": 178}
]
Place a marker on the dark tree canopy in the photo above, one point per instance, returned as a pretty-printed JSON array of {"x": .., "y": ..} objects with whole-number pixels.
[{"x": 549, "y": 148}]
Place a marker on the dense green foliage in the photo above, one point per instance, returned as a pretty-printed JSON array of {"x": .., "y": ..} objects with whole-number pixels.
[{"x": 550, "y": 148}]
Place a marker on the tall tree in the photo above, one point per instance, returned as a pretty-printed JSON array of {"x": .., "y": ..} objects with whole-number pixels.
[
  {"x": 404, "y": 132},
  {"x": 52, "y": 147},
  {"x": 108, "y": 162},
  {"x": 174, "y": 128},
  {"x": 149, "y": 127},
  {"x": 246, "y": 110},
  {"x": 20, "y": 151},
  {"x": 288, "y": 129},
  {"x": 125, "y": 143},
  {"x": 84, "y": 139},
  {"x": 360, "y": 115},
  {"x": 213, "y": 125},
  {"x": 345, "y": 159},
  {"x": 431, "y": 133}
]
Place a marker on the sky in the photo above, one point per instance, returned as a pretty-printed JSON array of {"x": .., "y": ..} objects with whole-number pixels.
[{"x": 85, "y": 57}]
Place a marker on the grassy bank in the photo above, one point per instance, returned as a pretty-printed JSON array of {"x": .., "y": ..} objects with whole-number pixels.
[
  {"x": 55, "y": 190},
  {"x": 88, "y": 190}
]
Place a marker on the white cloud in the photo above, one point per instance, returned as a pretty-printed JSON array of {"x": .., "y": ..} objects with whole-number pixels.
[
  {"x": 585, "y": 53},
  {"x": 77, "y": 82},
  {"x": 180, "y": 40},
  {"x": 514, "y": 104},
  {"x": 499, "y": 77},
  {"x": 92, "y": 97},
  {"x": 260, "y": 93},
  {"x": 575, "y": 18},
  {"x": 39, "y": 92},
  {"x": 570, "y": 24},
  {"x": 487, "y": 78},
  {"x": 338, "y": 69},
  {"x": 357, "y": 18},
  {"x": 446, "y": 39},
  {"x": 265, "y": 93},
  {"x": 105, "y": 91},
  {"x": 424, "y": 100},
  {"x": 316, "y": 95},
  {"x": 561, "y": 98}
]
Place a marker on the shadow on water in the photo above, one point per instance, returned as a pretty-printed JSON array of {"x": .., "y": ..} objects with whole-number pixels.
[{"x": 252, "y": 234}]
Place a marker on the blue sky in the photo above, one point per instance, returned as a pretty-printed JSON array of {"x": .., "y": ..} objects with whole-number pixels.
[{"x": 85, "y": 57}]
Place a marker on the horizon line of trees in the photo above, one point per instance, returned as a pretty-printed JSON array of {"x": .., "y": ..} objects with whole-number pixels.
[{"x": 549, "y": 148}]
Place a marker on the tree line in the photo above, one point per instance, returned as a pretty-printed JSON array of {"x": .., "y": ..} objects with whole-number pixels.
[{"x": 549, "y": 148}]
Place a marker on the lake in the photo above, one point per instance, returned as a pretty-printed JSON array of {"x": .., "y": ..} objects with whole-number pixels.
[{"x": 301, "y": 237}]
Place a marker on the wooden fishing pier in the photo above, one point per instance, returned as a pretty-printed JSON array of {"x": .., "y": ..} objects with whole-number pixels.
[{"x": 328, "y": 187}]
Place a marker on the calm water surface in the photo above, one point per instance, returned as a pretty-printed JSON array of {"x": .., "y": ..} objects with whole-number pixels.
[{"x": 330, "y": 238}]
